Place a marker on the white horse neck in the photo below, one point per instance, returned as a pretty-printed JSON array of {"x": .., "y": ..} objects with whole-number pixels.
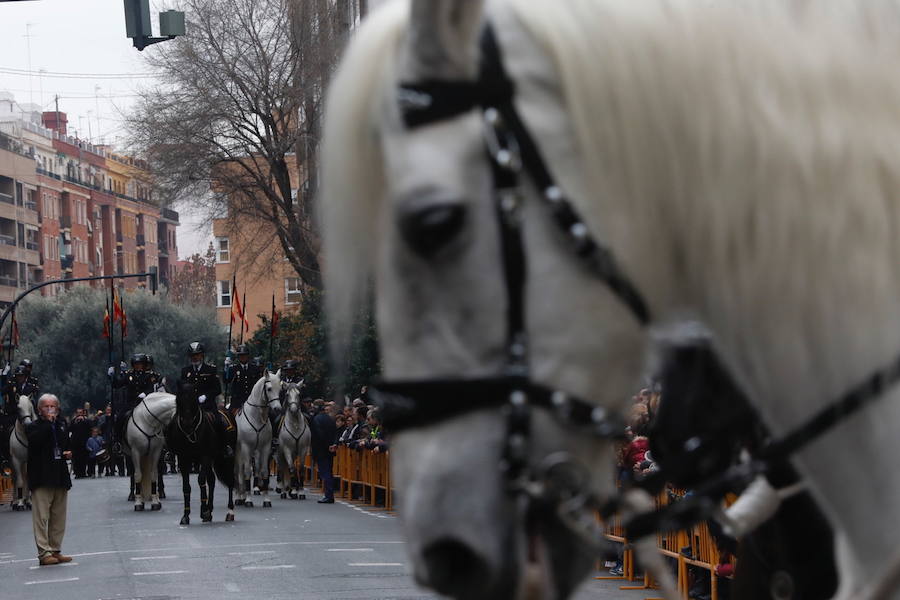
[{"x": 156, "y": 411}]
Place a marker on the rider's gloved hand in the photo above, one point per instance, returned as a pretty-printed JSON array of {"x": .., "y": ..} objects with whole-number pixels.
[
  {"x": 111, "y": 371},
  {"x": 5, "y": 370},
  {"x": 228, "y": 361},
  {"x": 123, "y": 366},
  {"x": 202, "y": 399},
  {"x": 142, "y": 395}
]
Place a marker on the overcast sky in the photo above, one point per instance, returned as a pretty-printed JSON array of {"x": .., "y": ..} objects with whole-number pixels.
[{"x": 87, "y": 61}]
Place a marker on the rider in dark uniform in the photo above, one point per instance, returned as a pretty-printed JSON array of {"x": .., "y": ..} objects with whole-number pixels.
[
  {"x": 32, "y": 387},
  {"x": 241, "y": 377},
  {"x": 138, "y": 382},
  {"x": 203, "y": 376}
]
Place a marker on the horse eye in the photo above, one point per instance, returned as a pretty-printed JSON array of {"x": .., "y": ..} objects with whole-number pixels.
[{"x": 430, "y": 228}]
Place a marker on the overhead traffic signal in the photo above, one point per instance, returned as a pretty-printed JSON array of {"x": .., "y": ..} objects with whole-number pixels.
[{"x": 139, "y": 29}]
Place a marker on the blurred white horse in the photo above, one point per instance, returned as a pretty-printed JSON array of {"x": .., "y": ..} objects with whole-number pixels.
[
  {"x": 293, "y": 444},
  {"x": 739, "y": 160},
  {"x": 18, "y": 450},
  {"x": 254, "y": 438},
  {"x": 144, "y": 441}
]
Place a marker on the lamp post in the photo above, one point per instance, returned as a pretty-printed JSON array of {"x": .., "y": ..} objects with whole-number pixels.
[{"x": 138, "y": 28}]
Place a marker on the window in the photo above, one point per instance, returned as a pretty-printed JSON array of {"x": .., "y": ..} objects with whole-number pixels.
[
  {"x": 222, "y": 254},
  {"x": 224, "y": 293},
  {"x": 292, "y": 292}
]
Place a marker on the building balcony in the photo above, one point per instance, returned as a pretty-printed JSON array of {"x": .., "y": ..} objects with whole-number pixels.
[
  {"x": 163, "y": 248},
  {"x": 8, "y": 281},
  {"x": 119, "y": 237},
  {"x": 8, "y": 198},
  {"x": 9, "y": 240},
  {"x": 47, "y": 173},
  {"x": 140, "y": 240},
  {"x": 66, "y": 262},
  {"x": 65, "y": 222},
  {"x": 14, "y": 253},
  {"x": 167, "y": 214}
]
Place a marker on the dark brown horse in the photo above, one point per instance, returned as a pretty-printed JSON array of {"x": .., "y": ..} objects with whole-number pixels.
[{"x": 198, "y": 436}]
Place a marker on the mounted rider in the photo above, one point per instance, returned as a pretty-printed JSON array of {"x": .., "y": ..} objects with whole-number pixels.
[
  {"x": 31, "y": 388},
  {"x": 241, "y": 376},
  {"x": 14, "y": 385},
  {"x": 138, "y": 382},
  {"x": 202, "y": 376}
]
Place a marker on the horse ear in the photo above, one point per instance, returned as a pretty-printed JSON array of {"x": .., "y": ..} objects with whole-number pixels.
[
  {"x": 278, "y": 374},
  {"x": 443, "y": 39}
]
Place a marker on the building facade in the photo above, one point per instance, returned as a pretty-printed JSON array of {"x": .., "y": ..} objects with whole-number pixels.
[{"x": 71, "y": 209}]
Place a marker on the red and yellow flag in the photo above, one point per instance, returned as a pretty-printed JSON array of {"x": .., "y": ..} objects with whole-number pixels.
[{"x": 106, "y": 333}]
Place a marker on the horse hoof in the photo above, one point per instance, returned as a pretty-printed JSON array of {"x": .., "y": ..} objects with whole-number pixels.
[
  {"x": 185, "y": 520},
  {"x": 16, "y": 507},
  {"x": 267, "y": 504},
  {"x": 249, "y": 503},
  {"x": 301, "y": 496},
  {"x": 283, "y": 496},
  {"x": 238, "y": 502},
  {"x": 138, "y": 507},
  {"x": 293, "y": 495},
  {"x": 277, "y": 490},
  {"x": 206, "y": 517},
  {"x": 256, "y": 492},
  {"x": 156, "y": 506},
  {"x": 229, "y": 517}
]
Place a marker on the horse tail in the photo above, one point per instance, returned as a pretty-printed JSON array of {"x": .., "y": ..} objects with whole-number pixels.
[{"x": 224, "y": 470}]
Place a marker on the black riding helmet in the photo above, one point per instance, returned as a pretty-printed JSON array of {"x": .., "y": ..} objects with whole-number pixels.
[
  {"x": 196, "y": 348},
  {"x": 290, "y": 365},
  {"x": 242, "y": 350},
  {"x": 140, "y": 358}
]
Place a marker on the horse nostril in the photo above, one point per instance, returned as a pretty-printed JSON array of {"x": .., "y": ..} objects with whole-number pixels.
[
  {"x": 429, "y": 229},
  {"x": 453, "y": 568}
]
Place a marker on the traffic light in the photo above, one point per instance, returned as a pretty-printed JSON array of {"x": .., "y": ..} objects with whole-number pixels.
[{"x": 138, "y": 28}]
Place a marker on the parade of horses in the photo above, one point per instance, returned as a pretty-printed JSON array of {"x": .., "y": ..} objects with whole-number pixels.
[{"x": 548, "y": 299}]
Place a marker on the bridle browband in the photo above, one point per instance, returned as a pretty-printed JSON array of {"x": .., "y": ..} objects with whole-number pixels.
[{"x": 512, "y": 151}]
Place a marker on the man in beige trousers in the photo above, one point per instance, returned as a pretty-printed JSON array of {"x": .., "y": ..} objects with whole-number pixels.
[{"x": 48, "y": 479}]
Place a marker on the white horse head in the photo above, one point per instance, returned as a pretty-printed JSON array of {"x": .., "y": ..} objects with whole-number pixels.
[
  {"x": 26, "y": 410},
  {"x": 292, "y": 399},
  {"x": 715, "y": 151}
]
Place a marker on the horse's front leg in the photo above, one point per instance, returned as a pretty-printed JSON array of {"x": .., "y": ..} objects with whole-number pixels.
[
  {"x": 137, "y": 481},
  {"x": 206, "y": 480},
  {"x": 300, "y": 468},
  {"x": 185, "y": 464},
  {"x": 264, "y": 476}
]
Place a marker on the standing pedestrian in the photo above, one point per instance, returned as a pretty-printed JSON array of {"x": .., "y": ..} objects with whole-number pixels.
[
  {"x": 48, "y": 479},
  {"x": 94, "y": 445},
  {"x": 323, "y": 430}
]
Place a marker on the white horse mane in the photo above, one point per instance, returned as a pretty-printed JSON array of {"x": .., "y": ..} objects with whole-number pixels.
[{"x": 678, "y": 106}]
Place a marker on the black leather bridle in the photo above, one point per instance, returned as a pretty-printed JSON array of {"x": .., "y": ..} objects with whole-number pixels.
[{"x": 512, "y": 152}]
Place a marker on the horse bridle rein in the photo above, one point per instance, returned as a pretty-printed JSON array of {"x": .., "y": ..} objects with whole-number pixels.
[{"x": 558, "y": 481}]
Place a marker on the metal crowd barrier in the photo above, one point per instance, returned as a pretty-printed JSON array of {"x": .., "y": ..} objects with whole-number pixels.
[
  {"x": 359, "y": 476},
  {"x": 688, "y": 548}
]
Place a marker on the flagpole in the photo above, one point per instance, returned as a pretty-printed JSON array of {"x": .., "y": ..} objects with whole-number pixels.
[
  {"x": 12, "y": 328},
  {"x": 122, "y": 325},
  {"x": 231, "y": 320},
  {"x": 271, "y": 332},
  {"x": 112, "y": 317},
  {"x": 243, "y": 316},
  {"x": 109, "y": 343}
]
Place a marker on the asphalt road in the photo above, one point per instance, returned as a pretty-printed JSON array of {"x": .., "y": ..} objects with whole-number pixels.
[{"x": 296, "y": 550}]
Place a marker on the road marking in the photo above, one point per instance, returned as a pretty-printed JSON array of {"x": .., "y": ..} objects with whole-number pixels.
[
  {"x": 253, "y": 552},
  {"x": 254, "y": 545},
  {"x": 350, "y": 550},
  {"x": 374, "y": 564},
  {"x": 52, "y": 581},
  {"x": 153, "y": 557},
  {"x": 71, "y": 564},
  {"x": 267, "y": 567},
  {"x": 159, "y": 572}
]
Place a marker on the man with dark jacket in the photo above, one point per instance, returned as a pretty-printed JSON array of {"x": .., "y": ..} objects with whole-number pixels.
[
  {"x": 241, "y": 377},
  {"x": 48, "y": 479},
  {"x": 79, "y": 432},
  {"x": 203, "y": 376},
  {"x": 323, "y": 432}
]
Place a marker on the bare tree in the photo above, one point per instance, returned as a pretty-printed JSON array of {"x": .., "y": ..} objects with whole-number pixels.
[
  {"x": 194, "y": 284},
  {"x": 236, "y": 125}
]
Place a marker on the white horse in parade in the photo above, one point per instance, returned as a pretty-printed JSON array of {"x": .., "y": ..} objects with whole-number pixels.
[
  {"x": 254, "y": 438},
  {"x": 534, "y": 203},
  {"x": 18, "y": 450},
  {"x": 144, "y": 441},
  {"x": 294, "y": 439}
]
